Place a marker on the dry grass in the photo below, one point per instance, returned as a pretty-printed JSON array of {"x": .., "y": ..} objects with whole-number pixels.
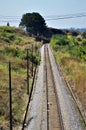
[
  {"x": 13, "y": 42},
  {"x": 75, "y": 72}
]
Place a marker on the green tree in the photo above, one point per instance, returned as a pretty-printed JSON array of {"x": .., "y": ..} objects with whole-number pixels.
[
  {"x": 8, "y": 24},
  {"x": 84, "y": 34},
  {"x": 34, "y": 23}
]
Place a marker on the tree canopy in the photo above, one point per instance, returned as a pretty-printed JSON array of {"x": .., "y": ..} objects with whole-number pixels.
[{"x": 34, "y": 23}]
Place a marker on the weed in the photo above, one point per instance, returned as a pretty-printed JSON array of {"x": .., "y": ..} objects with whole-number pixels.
[
  {"x": 72, "y": 56},
  {"x": 13, "y": 46}
]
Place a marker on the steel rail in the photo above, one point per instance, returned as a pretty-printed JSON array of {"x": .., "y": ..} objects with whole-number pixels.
[{"x": 47, "y": 93}]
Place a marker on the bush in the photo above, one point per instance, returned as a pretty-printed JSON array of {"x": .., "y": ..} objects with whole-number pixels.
[
  {"x": 76, "y": 46},
  {"x": 84, "y": 42},
  {"x": 11, "y": 36},
  {"x": 7, "y": 29},
  {"x": 84, "y": 34},
  {"x": 15, "y": 52},
  {"x": 59, "y": 40}
]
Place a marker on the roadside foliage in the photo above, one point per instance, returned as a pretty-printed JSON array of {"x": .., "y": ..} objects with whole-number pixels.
[
  {"x": 13, "y": 47},
  {"x": 70, "y": 53}
]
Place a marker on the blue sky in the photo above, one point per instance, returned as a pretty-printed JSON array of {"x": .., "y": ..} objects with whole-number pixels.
[{"x": 45, "y": 8}]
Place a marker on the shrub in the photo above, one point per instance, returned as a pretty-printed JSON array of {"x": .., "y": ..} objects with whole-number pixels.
[
  {"x": 84, "y": 42},
  {"x": 7, "y": 29},
  {"x": 70, "y": 44},
  {"x": 84, "y": 34},
  {"x": 15, "y": 52},
  {"x": 10, "y": 36}
]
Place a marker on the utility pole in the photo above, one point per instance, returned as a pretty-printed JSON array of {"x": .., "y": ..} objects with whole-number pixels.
[
  {"x": 10, "y": 95},
  {"x": 27, "y": 73},
  {"x": 32, "y": 59}
]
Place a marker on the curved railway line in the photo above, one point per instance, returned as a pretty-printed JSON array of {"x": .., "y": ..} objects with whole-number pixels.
[{"x": 51, "y": 104}]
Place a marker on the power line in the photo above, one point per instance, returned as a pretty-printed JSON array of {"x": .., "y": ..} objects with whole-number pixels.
[
  {"x": 47, "y": 18},
  {"x": 51, "y": 16},
  {"x": 69, "y": 16},
  {"x": 9, "y": 16},
  {"x": 84, "y": 13},
  {"x": 5, "y": 21}
]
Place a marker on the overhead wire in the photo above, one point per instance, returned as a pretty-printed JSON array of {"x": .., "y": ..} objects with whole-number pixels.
[
  {"x": 8, "y": 18},
  {"x": 68, "y": 16}
]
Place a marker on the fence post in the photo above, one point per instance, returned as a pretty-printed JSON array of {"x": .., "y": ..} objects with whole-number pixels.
[
  {"x": 10, "y": 95},
  {"x": 27, "y": 73}
]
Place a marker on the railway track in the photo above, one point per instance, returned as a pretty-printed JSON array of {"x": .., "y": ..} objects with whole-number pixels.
[
  {"x": 52, "y": 107},
  {"x": 51, "y": 114}
]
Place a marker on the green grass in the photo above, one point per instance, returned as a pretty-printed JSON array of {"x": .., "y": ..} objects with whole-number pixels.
[
  {"x": 75, "y": 46},
  {"x": 72, "y": 57},
  {"x": 13, "y": 46}
]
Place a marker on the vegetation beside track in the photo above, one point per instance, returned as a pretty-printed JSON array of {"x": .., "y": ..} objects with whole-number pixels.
[
  {"x": 13, "y": 45},
  {"x": 70, "y": 53}
]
